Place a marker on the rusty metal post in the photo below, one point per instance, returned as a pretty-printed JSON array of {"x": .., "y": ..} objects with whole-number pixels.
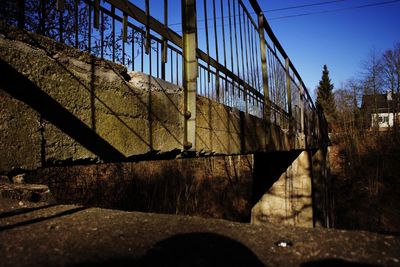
[
  {"x": 289, "y": 94},
  {"x": 267, "y": 111},
  {"x": 190, "y": 68}
]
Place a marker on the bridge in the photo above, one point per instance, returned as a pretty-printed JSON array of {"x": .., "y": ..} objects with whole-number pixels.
[{"x": 117, "y": 85}]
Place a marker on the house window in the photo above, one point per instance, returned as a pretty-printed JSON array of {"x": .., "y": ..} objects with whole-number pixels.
[{"x": 385, "y": 119}]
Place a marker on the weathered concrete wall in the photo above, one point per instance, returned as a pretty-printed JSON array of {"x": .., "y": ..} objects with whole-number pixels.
[
  {"x": 66, "y": 105},
  {"x": 218, "y": 186},
  {"x": 289, "y": 200},
  {"x": 58, "y": 104}
]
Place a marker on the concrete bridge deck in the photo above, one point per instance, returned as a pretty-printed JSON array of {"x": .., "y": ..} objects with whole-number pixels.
[{"x": 36, "y": 234}]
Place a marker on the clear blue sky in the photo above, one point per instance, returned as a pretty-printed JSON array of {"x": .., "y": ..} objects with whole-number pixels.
[{"x": 341, "y": 39}]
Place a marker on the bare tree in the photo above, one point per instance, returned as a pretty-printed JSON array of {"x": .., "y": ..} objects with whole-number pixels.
[{"x": 373, "y": 73}]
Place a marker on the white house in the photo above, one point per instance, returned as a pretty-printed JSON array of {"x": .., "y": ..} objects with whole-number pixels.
[{"x": 380, "y": 111}]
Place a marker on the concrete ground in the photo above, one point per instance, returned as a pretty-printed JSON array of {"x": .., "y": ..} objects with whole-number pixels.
[{"x": 42, "y": 234}]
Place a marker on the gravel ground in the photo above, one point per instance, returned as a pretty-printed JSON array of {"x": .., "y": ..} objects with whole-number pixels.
[{"x": 41, "y": 234}]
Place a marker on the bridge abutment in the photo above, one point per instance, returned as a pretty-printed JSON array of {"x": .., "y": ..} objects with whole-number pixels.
[{"x": 289, "y": 199}]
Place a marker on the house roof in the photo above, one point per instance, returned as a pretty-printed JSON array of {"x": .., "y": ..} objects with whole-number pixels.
[{"x": 378, "y": 102}]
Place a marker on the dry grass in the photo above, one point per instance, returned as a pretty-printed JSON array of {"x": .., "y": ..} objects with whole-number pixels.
[{"x": 366, "y": 173}]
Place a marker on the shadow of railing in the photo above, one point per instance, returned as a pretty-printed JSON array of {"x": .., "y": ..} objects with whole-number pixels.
[
  {"x": 41, "y": 219},
  {"x": 21, "y": 88}
]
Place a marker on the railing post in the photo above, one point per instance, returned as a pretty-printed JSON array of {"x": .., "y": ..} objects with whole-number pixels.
[
  {"x": 190, "y": 68},
  {"x": 289, "y": 94},
  {"x": 267, "y": 111}
]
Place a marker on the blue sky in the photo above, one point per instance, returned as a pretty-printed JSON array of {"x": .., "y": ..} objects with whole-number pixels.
[{"x": 340, "y": 39}]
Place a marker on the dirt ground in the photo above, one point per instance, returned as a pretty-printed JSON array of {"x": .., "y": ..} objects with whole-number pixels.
[{"x": 41, "y": 234}]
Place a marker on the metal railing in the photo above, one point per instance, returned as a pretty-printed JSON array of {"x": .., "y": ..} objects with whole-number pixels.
[{"x": 226, "y": 51}]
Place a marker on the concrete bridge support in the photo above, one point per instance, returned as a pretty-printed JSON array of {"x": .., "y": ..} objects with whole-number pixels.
[{"x": 289, "y": 200}]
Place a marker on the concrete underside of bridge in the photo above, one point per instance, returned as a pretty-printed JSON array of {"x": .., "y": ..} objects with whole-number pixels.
[{"x": 60, "y": 107}]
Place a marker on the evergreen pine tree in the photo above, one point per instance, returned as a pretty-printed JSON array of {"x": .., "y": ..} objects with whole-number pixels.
[{"x": 325, "y": 99}]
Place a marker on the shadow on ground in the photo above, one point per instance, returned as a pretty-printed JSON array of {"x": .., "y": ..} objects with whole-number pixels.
[
  {"x": 335, "y": 263},
  {"x": 194, "y": 249}
]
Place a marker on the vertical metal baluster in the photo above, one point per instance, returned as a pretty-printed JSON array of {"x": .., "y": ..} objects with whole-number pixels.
[
  {"x": 142, "y": 53},
  {"x": 177, "y": 68},
  {"x": 42, "y": 17},
  {"x": 123, "y": 51},
  {"x": 171, "y": 66},
  {"x": 245, "y": 40},
  {"x": 236, "y": 45},
  {"x": 204, "y": 87},
  {"x": 21, "y": 13},
  {"x": 147, "y": 27},
  {"x": 76, "y": 22},
  {"x": 124, "y": 35},
  {"x": 96, "y": 17},
  {"x": 264, "y": 67},
  {"x": 90, "y": 29},
  {"x": 242, "y": 55},
  {"x": 158, "y": 60},
  {"x": 102, "y": 36},
  {"x": 124, "y": 27},
  {"x": 61, "y": 20},
  {"x": 150, "y": 63},
  {"x": 276, "y": 79},
  {"x": 164, "y": 46},
  {"x": 224, "y": 48},
  {"x": 207, "y": 41},
  {"x": 230, "y": 40},
  {"x": 248, "y": 53},
  {"x": 251, "y": 52},
  {"x": 199, "y": 81},
  {"x": 270, "y": 79},
  {"x": 216, "y": 51},
  {"x": 133, "y": 49},
  {"x": 60, "y": 5},
  {"x": 257, "y": 60},
  {"x": 113, "y": 32}
]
